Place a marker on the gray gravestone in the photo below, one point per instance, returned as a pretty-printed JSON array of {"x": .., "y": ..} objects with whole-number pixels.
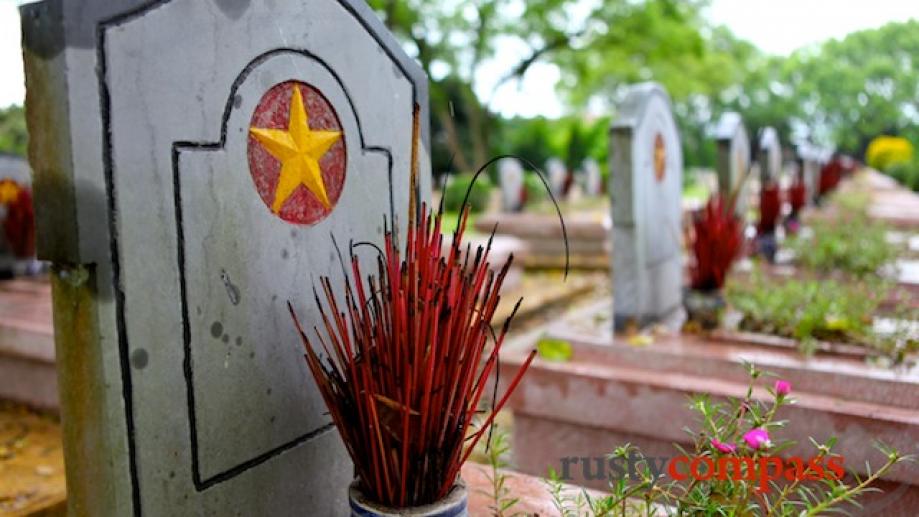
[
  {"x": 810, "y": 170},
  {"x": 646, "y": 166},
  {"x": 733, "y": 160},
  {"x": 558, "y": 173},
  {"x": 510, "y": 174},
  {"x": 192, "y": 160},
  {"x": 593, "y": 180},
  {"x": 770, "y": 156}
]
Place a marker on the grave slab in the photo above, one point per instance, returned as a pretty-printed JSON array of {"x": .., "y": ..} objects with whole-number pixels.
[{"x": 27, "y": 344}]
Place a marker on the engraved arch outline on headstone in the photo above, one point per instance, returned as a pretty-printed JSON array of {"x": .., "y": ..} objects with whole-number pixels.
[
  {"x": 124, "y": 349},
  {"x": 205, "y": 481}
]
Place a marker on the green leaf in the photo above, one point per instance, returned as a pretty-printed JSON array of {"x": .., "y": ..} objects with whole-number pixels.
[{"x": 551, "y": 349}]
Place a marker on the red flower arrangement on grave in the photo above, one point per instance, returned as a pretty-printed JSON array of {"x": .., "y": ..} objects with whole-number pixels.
[
  {"x": 770, "y": 205},
  {"x": 19, "y": 223},
  {"x": 830, "y": 176},
  {"x": 405, "y": 358},
  {"x": 797, "y": 195},
  {"x": 716, "y": 241}
]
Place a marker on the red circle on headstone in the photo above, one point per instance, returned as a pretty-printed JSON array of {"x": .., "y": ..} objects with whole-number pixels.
[{"x": 273, "y": 112}]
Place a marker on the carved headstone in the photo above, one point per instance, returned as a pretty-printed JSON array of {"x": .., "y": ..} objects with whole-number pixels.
[
  {"x": 192, "y": 160},
  {"x": 646, "y": 166},
  {"x": 510, "y": 174},
  {"x": 593, "y": 180},
  {"x": 733, "y": 160},
  {"x": 770, "y": 156},
  {"x": 809, "y": 157},
  {"x": 558, "y": 176}
]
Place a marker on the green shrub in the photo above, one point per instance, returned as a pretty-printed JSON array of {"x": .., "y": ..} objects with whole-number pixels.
[
  {"x": 456, "y": 191},
  {"x": 906, "y": 173}
]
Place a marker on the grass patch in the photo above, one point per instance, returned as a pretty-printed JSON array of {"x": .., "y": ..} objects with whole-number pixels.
[
  {"x": 851, "y": 242},
  {"x": 826, "y": 310}
]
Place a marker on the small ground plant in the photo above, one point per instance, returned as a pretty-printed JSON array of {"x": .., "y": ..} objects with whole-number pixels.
[
  {"x": 820, "y": 310},
  {"x": 742, "y": 436},
  {"x": 851, "y": 242}
]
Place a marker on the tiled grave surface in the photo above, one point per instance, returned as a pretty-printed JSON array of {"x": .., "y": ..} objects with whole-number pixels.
[{"x": 27, "y": 343}]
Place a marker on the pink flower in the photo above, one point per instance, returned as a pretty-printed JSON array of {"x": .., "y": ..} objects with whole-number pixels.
[
  {"x": 726, "y": 448},
  {"x": 782, "y": 388},
  {"x": 757, "y": 438}
]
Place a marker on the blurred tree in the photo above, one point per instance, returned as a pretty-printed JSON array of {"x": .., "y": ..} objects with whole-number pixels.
[
  {"x": 598, "y": 46},
  {"x": 862, "y": 86},
  {"x": 13, "y": 135}
]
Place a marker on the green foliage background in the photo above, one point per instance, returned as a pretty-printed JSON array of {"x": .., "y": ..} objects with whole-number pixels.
[
  {"x": 13, "y": 135},
  {"x": 841, "y": 92}
]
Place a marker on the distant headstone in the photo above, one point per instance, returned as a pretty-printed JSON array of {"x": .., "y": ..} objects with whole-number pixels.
[
  {"x": 593, "y": 180},
  {"x": 770, "y": 155},
  {"x": 733, "y": 158},
  {"x": 646, "y": 167},
  {"x": 513, "y": 193},
  {"x": 192, "y": 160},
  {"x": 809, "y": 157},
  {"x": 558, "y": 176}
]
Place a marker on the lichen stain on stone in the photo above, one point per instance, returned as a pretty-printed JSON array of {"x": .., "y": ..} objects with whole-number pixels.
[
  {"x": 52, "y": 184},
  {"x": 232, "y": 290},
  {"x": 88, "y": 431}
]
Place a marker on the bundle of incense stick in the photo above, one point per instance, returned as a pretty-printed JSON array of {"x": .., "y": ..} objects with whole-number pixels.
[
  {"x": 404, "y": 362},
  {"x": 716, "y": 240}
]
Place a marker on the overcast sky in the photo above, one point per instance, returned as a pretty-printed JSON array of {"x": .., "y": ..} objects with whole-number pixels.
[{"x": 775, "y": 26}]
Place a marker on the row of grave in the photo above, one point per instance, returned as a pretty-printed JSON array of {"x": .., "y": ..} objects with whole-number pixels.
[
  {"x": 734, "y": 160},
  {"x": 615, "y": 389}
]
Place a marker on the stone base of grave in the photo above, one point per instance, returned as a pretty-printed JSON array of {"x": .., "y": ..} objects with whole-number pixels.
[
  {"x": 588, "y": 237},
  {"x": 612, "y": 392},
  {"x": 27, "y": 373}
]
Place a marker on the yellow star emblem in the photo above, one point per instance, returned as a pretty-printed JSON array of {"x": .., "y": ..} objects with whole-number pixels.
[{"x": 299, "y": 150}]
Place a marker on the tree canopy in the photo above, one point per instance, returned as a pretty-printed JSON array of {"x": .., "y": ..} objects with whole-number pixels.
[{"x": 841, "y": 93}]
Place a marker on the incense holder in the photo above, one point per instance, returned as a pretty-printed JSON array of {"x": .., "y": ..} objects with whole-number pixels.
[
  {"x": 453, "y": 505},
  {"x": 704, "y": 307}
]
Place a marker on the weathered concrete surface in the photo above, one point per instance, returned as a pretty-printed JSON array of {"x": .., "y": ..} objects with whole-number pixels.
[
  {"x": 646, "y": 169},
  {"x": 183, "y": 389}
]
